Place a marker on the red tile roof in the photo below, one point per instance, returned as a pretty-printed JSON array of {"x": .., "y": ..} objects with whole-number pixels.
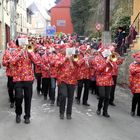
[{"x": 63, "y": 3}]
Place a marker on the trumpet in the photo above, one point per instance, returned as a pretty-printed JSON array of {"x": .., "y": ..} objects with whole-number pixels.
[
  {"x": 114, "y": 57},
  {"x": 30, "y": 48},
  {"x": 75, "y": 57}
]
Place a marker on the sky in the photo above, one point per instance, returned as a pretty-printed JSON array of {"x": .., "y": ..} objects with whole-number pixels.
[{"x": 46, "y": 3}]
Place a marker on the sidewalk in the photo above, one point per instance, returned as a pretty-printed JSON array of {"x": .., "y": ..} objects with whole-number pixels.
[{"x": 2, "y": 71}]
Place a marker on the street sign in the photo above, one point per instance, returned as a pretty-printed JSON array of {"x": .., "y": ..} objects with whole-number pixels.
[
  {"x": 51, "y": 30},
  {"x": 98, "y": 26}
]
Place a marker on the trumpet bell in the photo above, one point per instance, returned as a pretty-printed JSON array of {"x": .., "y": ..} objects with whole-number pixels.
[
  {"x": 75, "y": 58},
  {"x": 114, "y": 57},
  {"x": 30, "y": 48}
]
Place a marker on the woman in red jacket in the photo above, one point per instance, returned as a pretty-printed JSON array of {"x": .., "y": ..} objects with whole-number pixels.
[{"x": 134, "y": 79}]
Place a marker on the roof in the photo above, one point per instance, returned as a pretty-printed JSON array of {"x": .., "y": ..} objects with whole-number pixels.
[
  {"x": 35, "y": 5},
  {"x": 63, "y": 4}
]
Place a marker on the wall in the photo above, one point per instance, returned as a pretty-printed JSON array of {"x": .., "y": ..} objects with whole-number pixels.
[
  {"x": 22, "y": 17},
  {"x": 62, "y": 14},
  {"x": 39, "y": 24}
]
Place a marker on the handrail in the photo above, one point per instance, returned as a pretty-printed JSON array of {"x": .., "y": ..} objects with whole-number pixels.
[{"x": 135, "y": 19}]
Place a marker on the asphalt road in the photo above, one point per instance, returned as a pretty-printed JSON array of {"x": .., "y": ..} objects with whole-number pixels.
[{"x": 85, "y": 124}]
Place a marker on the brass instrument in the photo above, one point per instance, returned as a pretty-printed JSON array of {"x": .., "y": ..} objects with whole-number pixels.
[
  {"x": 30, "y": 48},
  {"x": 75, "y": 57},
  {"x": 114, "y": 57}
]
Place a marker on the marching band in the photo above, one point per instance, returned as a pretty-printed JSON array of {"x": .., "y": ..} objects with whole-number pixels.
[{"x": 66, "y": 64}]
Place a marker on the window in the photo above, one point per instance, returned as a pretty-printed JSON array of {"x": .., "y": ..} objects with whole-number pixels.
[{"x": 61, "y": 22}]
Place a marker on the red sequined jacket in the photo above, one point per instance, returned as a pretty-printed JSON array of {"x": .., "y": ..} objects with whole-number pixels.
[
  {"x": 104, "y": 71},
  {"x": 22, "y": 63},
  {"x": 67, "y": 70},
  {"x": 134, "y": 77}
]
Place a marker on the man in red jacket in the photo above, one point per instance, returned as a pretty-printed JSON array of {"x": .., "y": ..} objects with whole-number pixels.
[
  {"x": 83, "y": 75},
  {"x": 67, "y": 79},
  {"x": 23, "y": 78},
  {"x": 116, "y": 65},
  {"x": 104, "y": 80},
  {"x": 134, "y": 78},
  {"x": 9, "y": 71}
]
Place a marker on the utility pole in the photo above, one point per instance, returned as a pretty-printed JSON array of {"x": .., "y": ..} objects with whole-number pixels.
[
  {"x": 107, "y": 15},
  {"x": 106, "y": 37}
]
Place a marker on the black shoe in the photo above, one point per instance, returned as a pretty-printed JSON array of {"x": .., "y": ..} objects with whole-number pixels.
[
  {"x": 111, "y": 103},
  {"x": 132, "y": 113},
  {"x": 76, "y": 98},
  {"x": 98, "y": 112},
  {"x": 27, "y": 121},
  {"x": 58, "y": 103},
  {"x": 18, "y": 119},
  {"x": 45, "y": 97},
  {"x": 78, "y": 101},
  {"x": 52, "y": 103},
  {"x": 86, "y": 104},
  {"x": 106, "y": 115},
  {"x": 12, "y": 105},
  {"x": 69, "y": 117},
  {"x": 61, "y": 116},
  {"x": 38, "y": 92},
  {"x": 138, "y": 115}
]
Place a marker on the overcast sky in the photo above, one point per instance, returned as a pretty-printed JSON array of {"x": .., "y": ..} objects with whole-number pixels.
[{"x": 46, "y": 3}]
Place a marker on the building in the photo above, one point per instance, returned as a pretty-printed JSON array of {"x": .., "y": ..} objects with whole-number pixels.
[
  {"x": 40, "y": 18},
  {"x": 15, "y": 19},
  {"x": 61, "y": 17},
  {"x": 4, "y": 23},
  {"x": 135, "y": 21},
  {"x": 136, "y": 9}
]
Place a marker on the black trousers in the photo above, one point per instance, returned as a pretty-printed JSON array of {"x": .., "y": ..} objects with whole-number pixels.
[
  {"x": 86, "y": 84},
  {"x": 94, "y": 88},
  {"x": 112, "y": 93},
  {"x": 46, "y": 85},
  {"x": 39, "y": 81},
  {"x": 66, "y": 91},
  {"x": 104, "y": 95},
  {"x": 23, "y": 89},
  {"x": 53, "y": 87},
  {"x": 136, "y": 103},
  {"x": 10, "y": 85},
  {"x": 58, "y": 96}
]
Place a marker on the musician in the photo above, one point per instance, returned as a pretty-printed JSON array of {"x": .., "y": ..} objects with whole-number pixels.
[
  {"x": 116, "y": 65},
  {"x": 53, "y": 73},
  {"x": 104, "y": 79},
  {"x": 46, "y": 80},
  {"x": 38, "y": 72},
  {"x": 9, "y": 71},
  {"x": 67, "y": 79},
  {"x": 23, "y": 78},
  {"x": 83, "y": 76},
  {"x": 134, "y": 79}
]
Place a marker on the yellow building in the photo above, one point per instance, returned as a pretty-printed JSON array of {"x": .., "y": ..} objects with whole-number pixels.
[
  {"x": 135, "y": 21},
  {"x": 136, "y": 9}
]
